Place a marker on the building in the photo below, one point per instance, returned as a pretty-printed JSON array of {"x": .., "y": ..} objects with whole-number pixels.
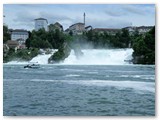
[
  {"x": 110, "y": 31},
  {"x": 21, "y": 43},
  {"x": 87, "y": 28},
  {"x": 130, "y": 29},
  {"x": 140, "y": 30},
  {"x": 13, "y": 44},
  {"x": 19, "y": 34},
  {"x": 77, "y": 29},
  {"x": 41, "y": 23},
  {"x": 53, "y": 27},
  {"x": 144, "y": 29}
]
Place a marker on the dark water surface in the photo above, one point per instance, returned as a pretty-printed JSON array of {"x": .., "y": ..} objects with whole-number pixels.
[{"x": 79, "y": 90}]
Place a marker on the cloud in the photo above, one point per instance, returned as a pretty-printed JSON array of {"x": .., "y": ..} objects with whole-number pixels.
[
  {"x": 133, "y": 9},
  {"x": 115, "y": 13},
  {"x": 26, "y": 18},
  {"x": 52, "y": 17},
  {"x": 126, "y": 10},
  {"x": 109, "y": 23},
  {"x": 97, "y": 15}
]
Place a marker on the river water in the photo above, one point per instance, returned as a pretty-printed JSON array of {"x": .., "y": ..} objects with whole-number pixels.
[{"x": 79, "y": 90}]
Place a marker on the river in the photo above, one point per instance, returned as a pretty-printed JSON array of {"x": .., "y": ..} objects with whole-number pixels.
[{"x": 79, "y": 90}]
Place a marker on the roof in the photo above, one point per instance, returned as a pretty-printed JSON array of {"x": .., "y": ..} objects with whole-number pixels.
[
  {"x": 129, "y": 27},
  {"x": 147, "y": 27},
  {"x": 88, "y": 27},
  {"x": 140, "y": 27},
  {"x": 57, "y": 23},
  {"x": 19, "y": 30},
  {"x": 41, "y": 19},
  {"x": 106, "y": 29},
  {"x": 12, "y": 42},
  {"x": 20, "y": 39},
  {"x": 77, "y": 24}
]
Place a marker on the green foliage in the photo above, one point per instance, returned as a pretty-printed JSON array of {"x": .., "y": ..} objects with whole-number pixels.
[
  {"x": 58, "y": 56},
  {"x": 70, "y": 33},
  {"x": 144, "y": 48},
  {"x": 38, "y": 39},
  {"x": 143, "y": 45},
  {"x": 6, "y": 35},
  {"x": 105, "y": 40},
  {"x": 8, "y": 57},
  {"x": 28, "y": 41},
  {"x": 61, "y": 54},
  {"x": 21, "y": 55},
  {"x": 43, "y": 39}
]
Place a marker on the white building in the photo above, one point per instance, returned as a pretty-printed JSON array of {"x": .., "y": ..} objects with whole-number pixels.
[
  {"x": 77, "y": 28},
  {"x": 110, "y": 31},
  {"x": 19, "y": 34},
  {"x": 141, "y": 29},
  {"x": 41, "y": 23},
  {"x": 144, "y": 29}
]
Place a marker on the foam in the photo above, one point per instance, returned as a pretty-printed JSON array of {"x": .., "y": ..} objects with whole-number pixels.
[
  {"x": 100, "y": 57},
  {"x": 72, "y": 75},
  {"x": 152, "y": 77},
  {"x": 135, "y": 85}
]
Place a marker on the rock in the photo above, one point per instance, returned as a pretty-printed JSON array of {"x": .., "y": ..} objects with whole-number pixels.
[
  {"x": 138, "y": 59},
  {"x": 60, "y": 55},
  {"x": 78, "y": 53}
]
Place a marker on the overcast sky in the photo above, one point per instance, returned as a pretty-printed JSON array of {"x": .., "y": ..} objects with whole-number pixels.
[{"x": 21, "y": 16}]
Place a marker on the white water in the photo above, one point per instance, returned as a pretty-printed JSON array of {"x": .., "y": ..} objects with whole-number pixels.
[
  {"x": 41, "y": 59},
  {"x": 16, "y": 62},
  {"x": 137, "y": 86},
  {"x": 89, "y": 57},
  {"x": 100, "y": 57}
]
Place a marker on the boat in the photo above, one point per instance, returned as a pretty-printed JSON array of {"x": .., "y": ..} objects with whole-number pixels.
[{"x": 32, "y": 66}]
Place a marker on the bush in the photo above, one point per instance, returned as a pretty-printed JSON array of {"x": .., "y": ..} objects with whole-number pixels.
[
  {"x": 144, "y": 48},
  {"x": 61, "y": 54}
]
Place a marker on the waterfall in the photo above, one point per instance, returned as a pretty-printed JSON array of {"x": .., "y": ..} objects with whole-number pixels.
[
  {"x": 41, "y": 59},
  {"x": 100, "y": 57},
  {"x": 89, "y": 57}
]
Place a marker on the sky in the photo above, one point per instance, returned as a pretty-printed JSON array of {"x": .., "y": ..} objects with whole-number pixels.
[{"x": 21, "y": 16}]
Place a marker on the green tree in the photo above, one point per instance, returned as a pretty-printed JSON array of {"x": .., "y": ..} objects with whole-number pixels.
[
  {"x": 6, "y": 35},
  {"x": 144, "y": 48}
]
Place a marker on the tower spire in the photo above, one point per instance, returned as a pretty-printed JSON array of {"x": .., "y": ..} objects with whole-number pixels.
[{"x": 84, "y": 17}]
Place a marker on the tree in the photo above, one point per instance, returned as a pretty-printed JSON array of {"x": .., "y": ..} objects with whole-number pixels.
[
  {"x": 70, "y": 33},
  {"x": 144, "y": 48},
  {"x": 28, "y": 41},
  {"x": 6, "y": 35}
]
